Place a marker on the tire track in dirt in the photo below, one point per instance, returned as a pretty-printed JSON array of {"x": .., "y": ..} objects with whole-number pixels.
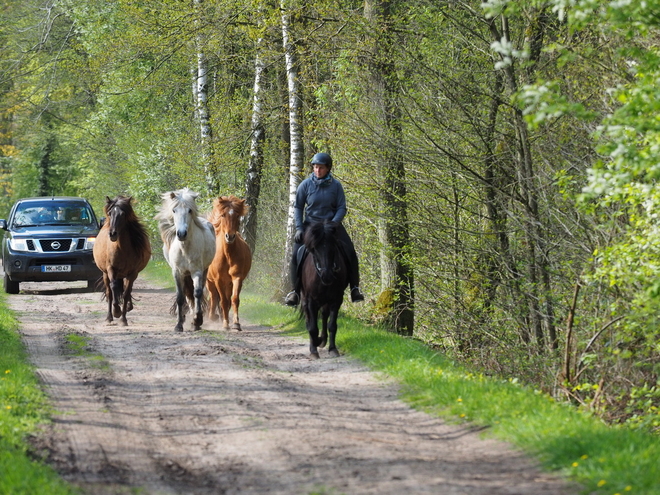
[{"x": 217, "y": 412}]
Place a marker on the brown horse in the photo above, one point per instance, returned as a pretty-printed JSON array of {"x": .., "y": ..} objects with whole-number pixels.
[
  {"x": 232, "y": 261},
  {"x": 121, "y": 251}
]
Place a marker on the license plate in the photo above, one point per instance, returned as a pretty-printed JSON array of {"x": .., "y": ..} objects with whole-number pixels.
[{"x": 55, "y": 268}]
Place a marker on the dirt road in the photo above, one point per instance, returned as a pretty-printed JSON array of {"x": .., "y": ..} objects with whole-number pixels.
[{"x": 216, "y": 412}]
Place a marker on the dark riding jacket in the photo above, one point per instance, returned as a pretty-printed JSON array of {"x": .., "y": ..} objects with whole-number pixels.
[{"x": 319, "y": 199}]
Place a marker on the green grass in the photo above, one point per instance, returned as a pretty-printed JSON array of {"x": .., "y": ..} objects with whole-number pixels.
[
  {"x": 601, "y": 458},
  {"x": 159, "y": 273},
  {"x": 23, "y": 407},
  {"x": 79, "y": 345}
]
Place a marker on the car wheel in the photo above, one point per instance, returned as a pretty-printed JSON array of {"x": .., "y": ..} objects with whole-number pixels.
[
  {"x": 91, "y": 285},
  {"x": 11, "y": 287}
]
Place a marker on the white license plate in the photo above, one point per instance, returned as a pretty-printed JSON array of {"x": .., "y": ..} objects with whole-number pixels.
[{"x": 55, "y": 268}]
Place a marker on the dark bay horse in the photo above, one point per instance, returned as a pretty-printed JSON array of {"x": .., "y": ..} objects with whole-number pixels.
[
  {"x": 188, "y": 246},
  {"x": 323, "y": 278},
  {"x": 232, "y": 261},
  {"x": 121, "y": 251}
]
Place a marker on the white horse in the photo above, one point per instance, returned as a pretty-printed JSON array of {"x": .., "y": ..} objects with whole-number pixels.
[{"x": 189, "y": 247}]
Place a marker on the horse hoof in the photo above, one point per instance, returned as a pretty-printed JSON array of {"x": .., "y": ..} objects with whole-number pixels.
[
  {"x": 236, "y": 326},
  {"x": 116, "y": 312},
  {"x": 123, "y": 323},
  {"x": 197, "y": 327},
  {"x": 129, "y": 306},
  {"x": 333, "y": 352},
  {"x": 314, "y": 355},
  {"x": 322, "y": 343},
  {"x": 178, "y": 328},
  {"x": 213, "y": 317}
]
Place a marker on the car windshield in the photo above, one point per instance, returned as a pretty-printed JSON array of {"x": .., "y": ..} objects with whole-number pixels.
[{"x": 51, "y": 213}]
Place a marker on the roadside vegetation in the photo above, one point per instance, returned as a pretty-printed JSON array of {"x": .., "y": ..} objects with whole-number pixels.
[{"x": 23, "y": 407}]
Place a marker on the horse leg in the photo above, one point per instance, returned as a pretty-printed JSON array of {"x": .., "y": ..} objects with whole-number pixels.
[
  {"x": 199, "y": 280},
  {"x": 180, "y": 301},
  {"x": 236, "y": 301},
  {"x": 117, "y": 286},
  {"x": 311, "y": 314},
  {"x": 213, "y": 300},
  {"x": 225, "y": 302},
  {"x": 324, "y": 327},
  {"x": 108, "y": 296},
  {"x": 128, "y": 287},
  {"x": 332, "y": 331}
]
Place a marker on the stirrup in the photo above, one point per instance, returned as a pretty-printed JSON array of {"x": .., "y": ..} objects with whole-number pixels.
[
  {"x": 292, "y": 298},
  {"x": 356, "y": 294}
]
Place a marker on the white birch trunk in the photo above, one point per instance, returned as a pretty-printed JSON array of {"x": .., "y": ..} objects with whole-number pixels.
[
  {"x": 255, "y": 164},
  {"x": 203, "y": 113},
  {"x": 295, "y": 125}
]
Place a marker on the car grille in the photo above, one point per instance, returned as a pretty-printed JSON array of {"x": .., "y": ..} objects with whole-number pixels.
[{"x": 50, "y": 245}]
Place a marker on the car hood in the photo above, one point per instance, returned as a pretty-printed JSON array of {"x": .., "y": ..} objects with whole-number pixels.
[{"x": 55, "y": 231}]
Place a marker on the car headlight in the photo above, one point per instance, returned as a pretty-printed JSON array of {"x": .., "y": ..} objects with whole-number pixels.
[
  {"x": 18, "y": 244},
  {"x": 89, "y": 242}
]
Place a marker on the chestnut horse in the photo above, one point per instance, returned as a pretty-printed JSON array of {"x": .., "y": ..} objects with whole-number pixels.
[
  {"x": 121, "y": 251},
  {"x": 188, "y": 246},
  {"x": 232, "y": 261},
  {"x": 323, "y": 278}
]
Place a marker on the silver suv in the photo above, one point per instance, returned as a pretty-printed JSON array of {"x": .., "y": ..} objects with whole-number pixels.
[{"x": 49, "y": 239}]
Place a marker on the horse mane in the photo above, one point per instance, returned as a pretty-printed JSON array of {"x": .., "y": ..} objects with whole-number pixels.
[
  {"x": 165, "y": 218},
  {"x": 317, "y": 232},
  {"x": 225, "y": 203},
  {"x": 136, "y": 230}
]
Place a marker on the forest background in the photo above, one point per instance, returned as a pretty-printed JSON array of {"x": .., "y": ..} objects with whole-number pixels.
[{"x": 500, "y": 159}]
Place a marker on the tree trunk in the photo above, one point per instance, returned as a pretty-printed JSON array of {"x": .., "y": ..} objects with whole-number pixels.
[
  {"x": 394, "y": 224},
  {"x": 203, "y": 114},
  {"x": 296, "y": 157},
  {"x": 255, "y": 164},
  {"x": 533, "y": 229}
]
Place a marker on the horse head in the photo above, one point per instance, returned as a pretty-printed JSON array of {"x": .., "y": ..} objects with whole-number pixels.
[
  {"x": 184, "y": 210},
  {"x": 321, "y": 241},
  {"x": 119, "y": 211},
  {"x": 226, "y": 216}
]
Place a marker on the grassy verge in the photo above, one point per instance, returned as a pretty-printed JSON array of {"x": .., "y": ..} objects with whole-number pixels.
[
  {"x": 603, "y": 459},
  {"x": 23, "y": 407}
]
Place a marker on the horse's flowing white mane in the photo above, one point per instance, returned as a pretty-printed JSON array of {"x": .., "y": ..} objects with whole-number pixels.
[{"x": 173, "y": 199}]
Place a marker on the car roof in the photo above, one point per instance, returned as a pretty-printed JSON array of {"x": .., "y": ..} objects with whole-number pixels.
[{"x": 52, "y": 198}]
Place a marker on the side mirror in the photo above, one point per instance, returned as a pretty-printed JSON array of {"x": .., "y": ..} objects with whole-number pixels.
[
  {"x": 101, "y": 222},
  {"x": 3, "y": 224}
]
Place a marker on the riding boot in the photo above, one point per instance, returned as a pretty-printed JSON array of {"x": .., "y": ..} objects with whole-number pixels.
[
  {"x": 293, "y": 297},
  {"x": 354, "y": 281}
]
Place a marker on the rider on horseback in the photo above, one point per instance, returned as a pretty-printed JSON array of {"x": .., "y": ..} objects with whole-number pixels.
[{"x": 321, "y": 197}]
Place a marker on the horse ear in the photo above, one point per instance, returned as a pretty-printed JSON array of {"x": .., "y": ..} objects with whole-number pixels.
[
  {"x": 172, "y": 195},
  {"x": 108, "y": 200}
]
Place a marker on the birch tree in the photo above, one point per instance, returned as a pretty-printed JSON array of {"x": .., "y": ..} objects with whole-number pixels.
[
  {"x": 201, "y": 96},
  {"x": 256, "y": 160},
  {"x": 296, "y": 157}
]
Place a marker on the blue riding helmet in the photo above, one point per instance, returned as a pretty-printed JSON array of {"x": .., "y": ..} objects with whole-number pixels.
[{"x": 322, "y": 159}]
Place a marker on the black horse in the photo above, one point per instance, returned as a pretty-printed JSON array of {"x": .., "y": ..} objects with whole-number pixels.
[{"x": 324, "y": 277}]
